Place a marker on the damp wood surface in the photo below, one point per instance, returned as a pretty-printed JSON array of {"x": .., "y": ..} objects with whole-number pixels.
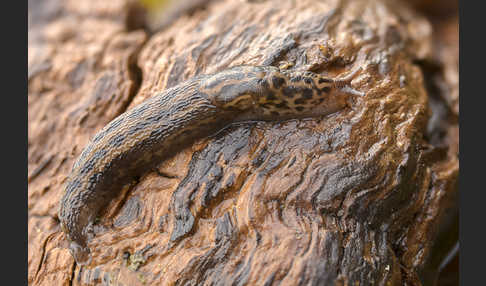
[{"x": 364, "y": 196}]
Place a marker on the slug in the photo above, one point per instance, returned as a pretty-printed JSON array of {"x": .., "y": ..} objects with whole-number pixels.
[{"x": 162, "y": 125}]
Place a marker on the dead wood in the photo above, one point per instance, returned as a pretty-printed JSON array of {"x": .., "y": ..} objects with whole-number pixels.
[{"x": 365, "y": 196}]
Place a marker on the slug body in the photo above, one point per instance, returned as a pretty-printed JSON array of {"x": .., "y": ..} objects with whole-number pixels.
[{"x": 142, "y": 137}]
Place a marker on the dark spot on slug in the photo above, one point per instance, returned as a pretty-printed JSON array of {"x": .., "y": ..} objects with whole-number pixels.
[
  {"x": 326, "y": 89},
  {"x": 324, "y": 80},
  {"x": 270, "y": 95},
  {"x": 275, "y": 113},
  {"x": 307, "y": 93},
  {"x": 300, "y": 108},
  {"x": 277, "y": 82},
  {"x": 289, "y": 91},
  {"x": 282, "y": 105},
  {"x": 300, "y": 101}
]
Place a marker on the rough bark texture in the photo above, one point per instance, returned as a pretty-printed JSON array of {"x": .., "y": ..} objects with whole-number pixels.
[{"x": 365, "y": 196}]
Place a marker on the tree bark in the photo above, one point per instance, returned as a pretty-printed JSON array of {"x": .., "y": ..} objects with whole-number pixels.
[{"x": 364, "y": 196}]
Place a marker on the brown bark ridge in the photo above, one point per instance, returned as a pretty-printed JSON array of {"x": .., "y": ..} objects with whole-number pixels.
[{"x": 364, "y": 196}]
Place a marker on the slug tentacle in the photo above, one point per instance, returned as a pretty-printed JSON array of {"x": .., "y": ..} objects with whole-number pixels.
[{"x": 142, "y": 137}]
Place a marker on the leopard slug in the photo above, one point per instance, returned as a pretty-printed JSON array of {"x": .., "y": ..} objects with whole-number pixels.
[{"x": 162, "y": 125}]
